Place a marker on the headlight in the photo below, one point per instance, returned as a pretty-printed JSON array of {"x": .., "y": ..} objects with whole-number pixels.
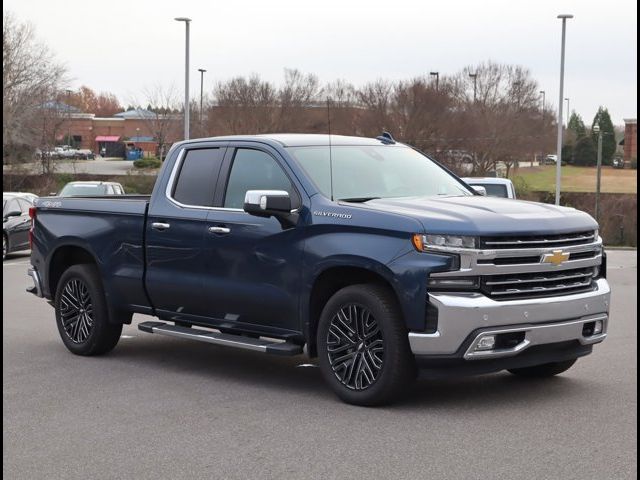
[{"x": 429, "y": 241}]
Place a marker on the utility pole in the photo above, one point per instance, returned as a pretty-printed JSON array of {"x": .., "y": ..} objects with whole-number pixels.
[
  {"x": 69, "y": 117},
  {"x": 568, "y": 112}
]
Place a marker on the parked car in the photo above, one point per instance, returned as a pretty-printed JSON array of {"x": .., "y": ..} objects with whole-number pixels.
[
  {"x": 494, "y": 187},
  {"x": 362, "y": 253},
  {"x": 618, "y": 162},
  {"x": 16, "y": 221},
  {"x": 550, "y": 159},
  {"x": 90, "y": 188}
]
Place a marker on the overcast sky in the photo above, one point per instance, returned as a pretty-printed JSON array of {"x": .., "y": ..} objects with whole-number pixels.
[{"x": 124, "y": 46}]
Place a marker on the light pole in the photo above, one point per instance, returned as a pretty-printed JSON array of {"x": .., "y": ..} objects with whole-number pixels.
[
  {"x": 201, "y": 70},
  {"x": 568, "y": 111},
  {"x": 69, "y": 117},
  {"x": 437, "y": 75},
  {"x": 187, "y": 23},
  {"x": 475, "y": 77},
  {"x": 542, "y": 92},
  {"x": 596, "y": 130},
  {"x": 560, "y": 102}
]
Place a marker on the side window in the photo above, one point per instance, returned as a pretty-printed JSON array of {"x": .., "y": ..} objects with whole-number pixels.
[
  {"x": 118, "y": 190},
  {"x": 255, "y": 170},
  {"x": 110, "y": 190},
  {"x": 197, "y": 178}
]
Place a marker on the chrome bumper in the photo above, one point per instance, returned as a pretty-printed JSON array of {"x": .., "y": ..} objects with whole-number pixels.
[
  {"x": 36, "y": 288},
  {"x": 460, "y": 315}
]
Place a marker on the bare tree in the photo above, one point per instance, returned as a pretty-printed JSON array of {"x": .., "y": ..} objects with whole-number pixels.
[
  {"x": 30, "y": 78},
  {"x": 161, "y": 118},
  {"x": 245, "y": 106},
  {"x": 299, "y": 92}
]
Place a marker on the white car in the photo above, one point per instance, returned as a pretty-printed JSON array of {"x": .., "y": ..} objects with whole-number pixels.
[{"x": 495, "y": 187}]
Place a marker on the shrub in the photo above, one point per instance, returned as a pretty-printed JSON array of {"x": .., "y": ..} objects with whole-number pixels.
[
  {"x": 522, "y": 187},
  {"x": 150, "y": 162}
]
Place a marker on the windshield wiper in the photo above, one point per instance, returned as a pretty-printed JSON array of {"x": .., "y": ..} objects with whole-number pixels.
[{"x": 358, "y": 199}]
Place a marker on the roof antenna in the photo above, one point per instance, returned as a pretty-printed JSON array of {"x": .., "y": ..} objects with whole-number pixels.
[{"x": 330, "y": 156}]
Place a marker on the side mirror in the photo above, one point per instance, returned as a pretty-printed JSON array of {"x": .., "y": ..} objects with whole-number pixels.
[
  {"x": 15, "y": 213},
  {"x": 270, "y": 203},
  {"x": 480, "y": 189}
]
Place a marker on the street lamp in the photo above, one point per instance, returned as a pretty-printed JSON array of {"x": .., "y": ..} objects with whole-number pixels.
[
  {"x": 564, "y": 18},
  {"x": 475, "y": 77},
  {"x": 542, "y": 92},
  {"x": 597, "y": 131},
  {"x": 437, "y": 75},
  {"x": 187, "y": 23},
  {"x": 568, "y": 111},
  {"x": 201, "y": 70}
]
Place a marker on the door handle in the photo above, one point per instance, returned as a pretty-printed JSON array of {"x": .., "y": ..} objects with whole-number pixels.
[
  {"x": 220, "y": 230},
  {"x": 160, "y": 226}
]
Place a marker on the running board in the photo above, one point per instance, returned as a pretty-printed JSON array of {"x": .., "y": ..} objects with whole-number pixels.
[{"x": 225, "y": 339}]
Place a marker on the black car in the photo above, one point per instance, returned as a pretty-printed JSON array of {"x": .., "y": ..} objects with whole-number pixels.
[{"x": 16, "y": 221}]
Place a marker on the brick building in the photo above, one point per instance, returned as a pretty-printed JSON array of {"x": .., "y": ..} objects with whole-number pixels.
[
  {"x": 137, "y": 127},
  {"x": 630, "y": 139}
]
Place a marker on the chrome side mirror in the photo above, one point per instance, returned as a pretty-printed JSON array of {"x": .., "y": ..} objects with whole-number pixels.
[{"x": 271, "y": 203}]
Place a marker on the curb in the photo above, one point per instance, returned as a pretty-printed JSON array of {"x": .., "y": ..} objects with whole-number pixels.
[{"x": 632, "y": 249}]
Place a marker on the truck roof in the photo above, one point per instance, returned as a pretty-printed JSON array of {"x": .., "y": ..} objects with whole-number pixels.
[
  {"x": 300, "y": 139},
  {"x": 490, "y": 180}
]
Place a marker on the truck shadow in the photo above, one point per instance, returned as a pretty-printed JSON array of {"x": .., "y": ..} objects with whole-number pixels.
[{"x": 287, "y": 375}]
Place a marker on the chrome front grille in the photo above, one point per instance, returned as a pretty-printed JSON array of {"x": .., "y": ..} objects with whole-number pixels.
[
  {"x": 539, "y": 241},
  {"x": 530, "y": 267},
  {"x": 532, "y": 285}
]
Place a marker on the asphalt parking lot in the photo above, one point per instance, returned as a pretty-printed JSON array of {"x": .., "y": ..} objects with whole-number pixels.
[{"x": 158, "y": 407}]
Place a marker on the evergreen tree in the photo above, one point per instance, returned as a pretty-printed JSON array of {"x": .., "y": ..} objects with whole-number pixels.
[
  {"x": 576, "y": 125},
  {"x": 603, "y": 119},
  {"x": 584, "y": 153}
]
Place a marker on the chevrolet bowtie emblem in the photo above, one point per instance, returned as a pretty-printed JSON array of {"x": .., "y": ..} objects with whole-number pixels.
[{"x": 556, "y": 258}]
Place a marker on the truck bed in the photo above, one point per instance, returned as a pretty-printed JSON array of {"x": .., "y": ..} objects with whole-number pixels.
[{"x": 111, "y": 228}]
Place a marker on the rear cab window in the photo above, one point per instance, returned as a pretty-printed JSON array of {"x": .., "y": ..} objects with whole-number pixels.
[{"x": 197, "y": 177}]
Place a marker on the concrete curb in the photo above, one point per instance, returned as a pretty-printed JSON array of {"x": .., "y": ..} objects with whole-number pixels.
[{"x": 634, "y": 249}]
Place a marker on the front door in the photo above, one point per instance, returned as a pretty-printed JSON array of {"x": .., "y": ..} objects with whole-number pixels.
[
  {"x": 175, "y": 232},
  {"x": 253, "y": 265}
]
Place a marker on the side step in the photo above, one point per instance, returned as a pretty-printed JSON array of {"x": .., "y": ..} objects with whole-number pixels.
[{"x": 226, "y": 339}]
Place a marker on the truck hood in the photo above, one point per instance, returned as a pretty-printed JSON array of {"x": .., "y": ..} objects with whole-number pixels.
[{"x": 479, "y": 215}]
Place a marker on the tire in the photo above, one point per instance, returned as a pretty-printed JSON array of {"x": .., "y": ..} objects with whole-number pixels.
[
  {"x": 545, "y": 370},
  {"x": 5, "y": 246},
  {"x": 364, "y": 324},
  {"x": 81, "y": 312}
]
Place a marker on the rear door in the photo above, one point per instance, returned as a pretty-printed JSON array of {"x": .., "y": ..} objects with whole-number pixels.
[{"x": 175, "y": 231}]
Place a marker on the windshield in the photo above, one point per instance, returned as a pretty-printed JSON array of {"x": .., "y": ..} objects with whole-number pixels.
[
  {"x": 381, "y": 171},
  {"x": 86, "y": 189},
  {"x": 493, "y": 189}
]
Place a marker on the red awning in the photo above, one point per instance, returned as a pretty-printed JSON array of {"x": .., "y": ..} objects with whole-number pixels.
[{"x": 107, "y": 138}]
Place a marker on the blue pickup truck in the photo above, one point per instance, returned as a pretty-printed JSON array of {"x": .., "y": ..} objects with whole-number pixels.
[{"x": 360, "y": 252}]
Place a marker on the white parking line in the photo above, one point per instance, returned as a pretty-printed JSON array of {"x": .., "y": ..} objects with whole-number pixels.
[{"x": 5, "y": 264}]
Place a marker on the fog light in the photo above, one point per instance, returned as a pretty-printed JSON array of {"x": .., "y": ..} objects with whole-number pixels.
[
  {"x": 597, "y": 328},
  {"x": 486, "y": 343}
]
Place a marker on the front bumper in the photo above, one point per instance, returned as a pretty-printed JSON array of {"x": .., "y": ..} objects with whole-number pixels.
[{"x": 464, "y": 317}]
